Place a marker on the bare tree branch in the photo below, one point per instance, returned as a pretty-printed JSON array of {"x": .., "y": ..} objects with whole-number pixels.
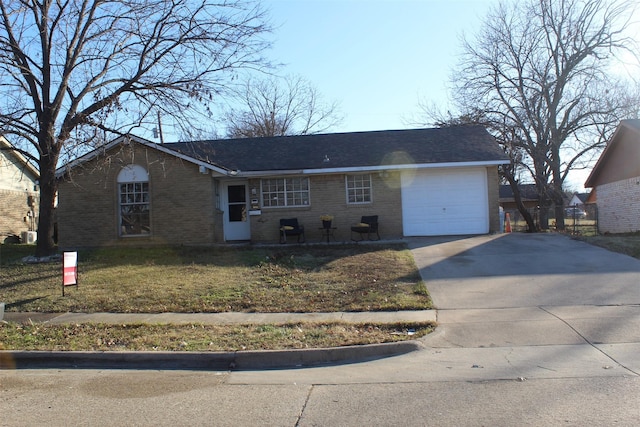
[
  {"x": 543, "y": 67},
  {"x": 278, "y": 107},
  {"x": 69, "y": 69}
]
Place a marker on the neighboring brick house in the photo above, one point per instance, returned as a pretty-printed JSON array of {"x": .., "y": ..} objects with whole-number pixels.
[
  {"x": 19, "y": 197},
  {"x": 615, "y": 180},
  {"x": 419, "y": 182}
]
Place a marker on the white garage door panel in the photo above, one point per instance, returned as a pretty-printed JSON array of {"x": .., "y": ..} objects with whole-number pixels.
[{"x": 445, "y": 202}]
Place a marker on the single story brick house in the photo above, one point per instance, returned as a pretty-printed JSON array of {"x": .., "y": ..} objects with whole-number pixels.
[
  {"x": 615, "y": 181},
  {"x": 419, "y": 182},
  {"x": 19, "y": 197}
]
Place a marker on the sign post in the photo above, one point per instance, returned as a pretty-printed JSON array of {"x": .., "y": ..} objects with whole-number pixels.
[{"x": 69, "y": 270}]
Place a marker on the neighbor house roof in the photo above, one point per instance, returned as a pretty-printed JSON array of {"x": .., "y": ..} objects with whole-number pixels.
[
  {"x": 579, "y": 198},
  {"x": 527, "y": 192},
  {"x": 331, "y": 153},
  {"x": 18, "y": 158},
  {"x": 462, "y": 145},
  {"x": 621, "y": 158}
]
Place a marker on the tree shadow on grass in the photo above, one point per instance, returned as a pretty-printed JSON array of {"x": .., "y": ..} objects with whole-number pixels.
[{"x": 19, "y": 304}]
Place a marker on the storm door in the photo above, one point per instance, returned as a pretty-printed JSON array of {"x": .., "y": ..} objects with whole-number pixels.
[{"x": 236, "y": 212}]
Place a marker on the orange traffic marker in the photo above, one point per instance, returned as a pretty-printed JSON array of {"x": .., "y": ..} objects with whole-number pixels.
[{"x": 507, "y": 223}]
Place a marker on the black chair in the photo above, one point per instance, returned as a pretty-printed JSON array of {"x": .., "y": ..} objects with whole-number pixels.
[
  {"x": 368, "y": 225},
  {"x": 290, "y": 227}
]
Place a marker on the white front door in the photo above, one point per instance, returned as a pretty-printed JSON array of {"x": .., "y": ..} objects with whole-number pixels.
[{"x": 235, "y": 201}]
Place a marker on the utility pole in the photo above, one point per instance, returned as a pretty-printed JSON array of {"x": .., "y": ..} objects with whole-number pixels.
[{"x": 160, "y": 129}]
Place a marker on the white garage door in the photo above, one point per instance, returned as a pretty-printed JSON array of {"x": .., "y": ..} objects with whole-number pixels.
[{"x": 437, "y": 202}]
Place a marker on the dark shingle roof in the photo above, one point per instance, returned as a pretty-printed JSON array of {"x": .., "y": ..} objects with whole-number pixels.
[
  {"x": 348, "y": 150},
  {"x": 527, "y": 192}
]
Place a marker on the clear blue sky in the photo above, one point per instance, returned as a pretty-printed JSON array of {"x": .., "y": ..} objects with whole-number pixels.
[{"x": 377, "y": 58}]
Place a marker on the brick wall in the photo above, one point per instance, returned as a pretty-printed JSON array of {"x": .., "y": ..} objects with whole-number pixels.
[
  {"x": 183, "y": 204},
  {"x": 328, "y": 196},
  {"x": 619, "y": 206},
  {"x": 181, "y": 201},
  {"x": 13, "y": 210}
]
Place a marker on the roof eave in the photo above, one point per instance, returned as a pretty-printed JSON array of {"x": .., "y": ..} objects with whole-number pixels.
[
  {"x": 325, "y": 171},
  {"x": 592, "y": 179},
  {"x": 125, "y": 140}
]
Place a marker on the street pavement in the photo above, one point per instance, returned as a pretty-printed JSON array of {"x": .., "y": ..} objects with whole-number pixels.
[{"x": 533, "y": 330}]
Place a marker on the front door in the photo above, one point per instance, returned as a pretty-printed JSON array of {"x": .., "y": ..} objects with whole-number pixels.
[{"x": 236, "y": 212}]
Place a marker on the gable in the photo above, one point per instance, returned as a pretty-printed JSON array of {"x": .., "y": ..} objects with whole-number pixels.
[
  {"x": 117, "y": 144},
  {"x": 621, "y": 158},
  {"x": 16, "y": 173}
]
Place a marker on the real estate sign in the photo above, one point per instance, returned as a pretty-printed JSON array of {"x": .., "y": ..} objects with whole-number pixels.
[{"x": 69, "y": 270}]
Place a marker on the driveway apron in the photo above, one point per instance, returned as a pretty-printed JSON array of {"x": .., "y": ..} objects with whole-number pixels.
[
  {"x": 524, "y": 270},
  {"x": 529, "y": 289}
]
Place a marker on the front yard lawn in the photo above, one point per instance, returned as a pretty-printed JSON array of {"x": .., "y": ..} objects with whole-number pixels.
[
  {"x": 219, "y": 279},
  {"x": 249, "y": 279}
]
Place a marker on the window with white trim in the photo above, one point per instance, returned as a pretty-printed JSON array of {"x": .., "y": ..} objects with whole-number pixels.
[
  {"x": 358, "y": 189},
  {"x": 285, "y": 192},
  {"x": 133, "y": 201}
]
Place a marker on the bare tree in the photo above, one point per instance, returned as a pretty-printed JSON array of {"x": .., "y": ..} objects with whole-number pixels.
[
  {"x": 280, "y": 106},
  {"x": 72, "y": 72},
  {"x": 542, "y": 70},
  {"x": 505, "y": 137}
]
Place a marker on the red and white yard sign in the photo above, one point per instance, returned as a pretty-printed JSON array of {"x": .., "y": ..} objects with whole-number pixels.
[{"x": 69, "y": 269}]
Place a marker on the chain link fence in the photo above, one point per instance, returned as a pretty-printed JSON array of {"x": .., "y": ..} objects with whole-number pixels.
[{"x": 578, "y": 220}]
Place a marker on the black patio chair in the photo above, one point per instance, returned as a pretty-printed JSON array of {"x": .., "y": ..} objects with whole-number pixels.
[
  {"x": 290, "y": 227},
  {"x": 368, "y": 226}
]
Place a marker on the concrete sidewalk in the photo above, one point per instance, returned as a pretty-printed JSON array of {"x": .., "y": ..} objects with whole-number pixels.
[{"x": 234, "y": 318}]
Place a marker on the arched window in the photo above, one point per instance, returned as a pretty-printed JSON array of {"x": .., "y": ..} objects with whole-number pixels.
[{"x": 133, "y": 185}]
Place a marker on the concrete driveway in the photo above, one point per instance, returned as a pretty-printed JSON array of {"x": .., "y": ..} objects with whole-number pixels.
[
  {"x": 524, "y": 270},
  {"x": 529, "y": 289}
]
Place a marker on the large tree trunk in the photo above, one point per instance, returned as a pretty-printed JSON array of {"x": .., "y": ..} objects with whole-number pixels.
[
  {"x": 48, "y": 189},
  {"x": 531, "y": 227},
  {"x": 543, "y": 216},
  {"x": 559, "y": 207},
  {"x": 541, "y": 179},
  {"x": 557, "y": 193}
]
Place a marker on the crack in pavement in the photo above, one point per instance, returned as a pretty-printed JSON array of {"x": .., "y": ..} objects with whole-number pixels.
[{"x": 588, "y": 341}]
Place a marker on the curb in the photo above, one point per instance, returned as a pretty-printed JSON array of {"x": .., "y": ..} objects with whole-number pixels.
[{"x": 232, "y": 361}]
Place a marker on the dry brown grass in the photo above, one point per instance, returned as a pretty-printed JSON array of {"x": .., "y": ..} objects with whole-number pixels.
[
  {"x": 144, "y": 337},
  {"x": 220, "y": 279},
  {"x": 260, "y": 279},
  {"x": 628, "y": 244}
]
